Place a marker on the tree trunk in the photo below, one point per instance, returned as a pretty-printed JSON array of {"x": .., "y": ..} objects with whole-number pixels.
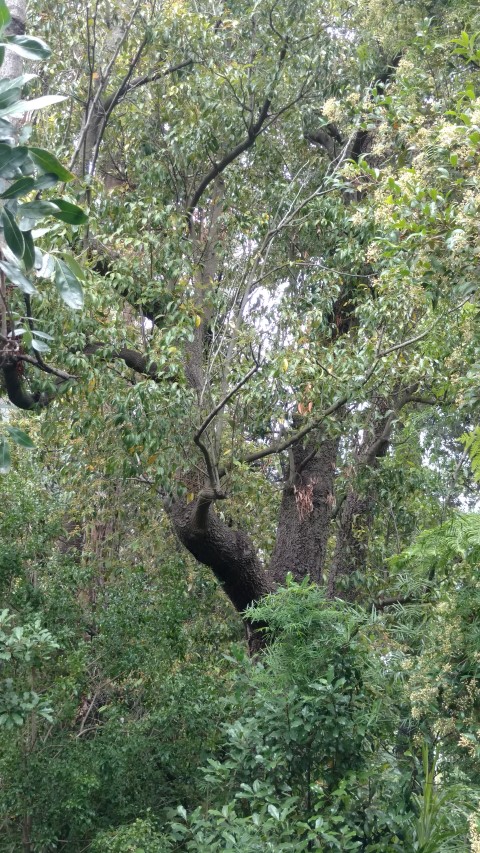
[
  {"x": 13, "y": 63},
  {"x": 305, "y": 513},
  {"x": 356, "y": 514}
]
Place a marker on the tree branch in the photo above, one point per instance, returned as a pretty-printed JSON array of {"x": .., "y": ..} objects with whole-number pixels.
[
  {"x": 212, "y": 470},
  {"x": 254, "y": 131}
]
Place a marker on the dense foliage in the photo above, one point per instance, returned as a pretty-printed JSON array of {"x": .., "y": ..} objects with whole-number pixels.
[{"x": 239, "y": 529}]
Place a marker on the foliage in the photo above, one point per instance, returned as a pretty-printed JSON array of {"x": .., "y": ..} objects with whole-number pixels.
[
  {"x": 23, "y": 649},
  {"x": 331, "y": 258}
]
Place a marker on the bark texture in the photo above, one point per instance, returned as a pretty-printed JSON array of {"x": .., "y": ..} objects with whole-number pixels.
[
  {"x": 305, "y": 513},
  {"x": 229, "y": 553}
]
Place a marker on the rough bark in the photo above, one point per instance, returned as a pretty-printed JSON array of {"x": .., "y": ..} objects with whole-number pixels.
[
  {"x": 305, "y": 513},
  {"x": 229, "y": 553}
]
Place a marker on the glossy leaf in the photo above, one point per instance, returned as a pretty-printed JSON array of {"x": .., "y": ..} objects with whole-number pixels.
[
  {"x": 19, "y": 188},
  {"x": 11, "y": 159},
  {"x": 13, "y": 235},
  {"x": 45, "y": 182},
  {"x": 48, "y": 163},
  {"x": 75, "y": 267},
  {"x": 28, "y": 47},
  {"x": 32, "y": 211},
  {"x": 16, "y": 82},
  {"x": 68, "y": 285},
  {"x": 29, "y": 252},
  {"x": 70, "y": 213},
  {"x": 35, "y": 104},
  {"x": 39, "y": 346},
  {"x": 17, "y": 278}
]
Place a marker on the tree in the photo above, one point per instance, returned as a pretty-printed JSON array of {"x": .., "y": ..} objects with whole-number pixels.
[{"x": 286, "y": 265}]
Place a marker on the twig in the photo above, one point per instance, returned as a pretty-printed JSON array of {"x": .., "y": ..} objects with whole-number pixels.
[{"x": 212, "y": 471}]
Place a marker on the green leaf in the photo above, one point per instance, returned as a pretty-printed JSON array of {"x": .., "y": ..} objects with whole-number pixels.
[
  {"x": 17, "y": 278},
  {"x": 70, "y": 213},
  {"x": 20, "y": 187},
  {"x": 13, "y": 235},
  {"x": 11, "y": 96},
  {"x": 21, "y": 107},
  {"x": 11, "y": 159},
  {"x": 32, "y": 211},
  {"x": 4, "y": 14},
  {"x": 48, "y": 163},
  {"x": 20, "y": 437},
  {"x": 16, "y": 82},
  {"x": 40, "y": 346},
  {"x": 75, "y": 267},
  {"x": 29, "y": 253},
  {"x": 28, "y": 47},
  {"x": 6, "y": 129},
  {"x": 5, "y": 461},
  {"x": 44, "y": 182},
  {"x": 68, "y": 286}
]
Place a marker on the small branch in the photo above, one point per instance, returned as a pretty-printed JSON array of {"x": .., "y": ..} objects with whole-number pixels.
[
  {"x": 100, "y": 90},
  {"x": 382, "y": 603},
  {"x": 204, "y": 500},
  {"x": 225, "y": 400},
  {"x": 213, "y": 474},
  {"x": 41, "y": 365},
  {"x": 155, "y": 75},
  {"x": 254, "y": 131}
]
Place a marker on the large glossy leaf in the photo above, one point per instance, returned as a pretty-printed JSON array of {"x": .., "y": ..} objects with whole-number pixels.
[
  {"x": 6, "y": 130},
  {"x": 75, "y": 267},
  {"x": 20, "y": 437},
  {"x": 19, "y": 188},
  {"x": 16, "y": 82},
  {"x": 5, "y": 461},
  {"x": 32, "y": 211},
  {"x": 11, "y": 96},
  {"x": 40, "y": 346},
  {"x": 11, "y": 159},
  {"x": 69, "y": 212},
  {"x": 13, "y": 235},
  {"x": 28, "y": 47},
  {"x": 44, "y": 182},
  {"x": 35, "y": 104},
  {"x": 48, "y": 163},
  {"x": 68, "y": 285},
  {"x": 17, "y": 277}
]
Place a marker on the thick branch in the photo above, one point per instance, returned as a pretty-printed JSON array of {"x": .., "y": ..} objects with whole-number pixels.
[
  {"x": 18, "y": 394},
  {"x": 229, "y": 553},
  {"x": 133, "y": 359}
]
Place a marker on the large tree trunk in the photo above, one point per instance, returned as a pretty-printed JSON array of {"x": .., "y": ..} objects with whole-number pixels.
[
  {"x": 303, "y": 530},
  {"x": 357, "y": 511},
  {"x": 305, "y": 513}
]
